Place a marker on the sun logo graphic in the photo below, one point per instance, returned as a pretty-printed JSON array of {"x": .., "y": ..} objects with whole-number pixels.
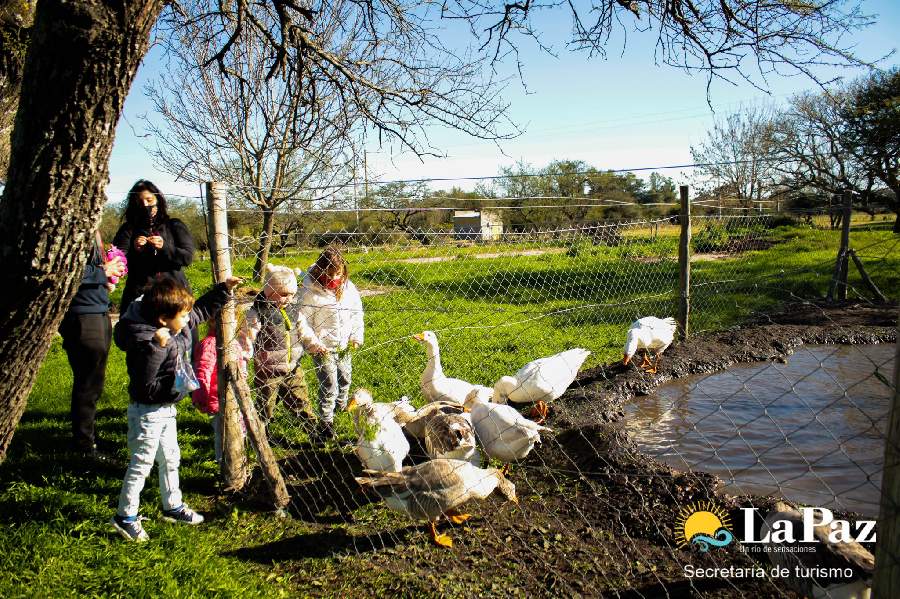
[{"x": 703, "y": 524}]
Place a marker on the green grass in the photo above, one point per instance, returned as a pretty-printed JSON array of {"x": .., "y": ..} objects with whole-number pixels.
[{"x": 491, "y": 314}]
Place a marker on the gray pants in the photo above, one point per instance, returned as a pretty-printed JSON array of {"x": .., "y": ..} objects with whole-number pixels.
[
  {"x": 333, "y": 372},
  {"x": 152, "y": 437}
]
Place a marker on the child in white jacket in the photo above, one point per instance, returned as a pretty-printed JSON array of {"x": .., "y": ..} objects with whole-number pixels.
[{"x": 333, "y": 308}]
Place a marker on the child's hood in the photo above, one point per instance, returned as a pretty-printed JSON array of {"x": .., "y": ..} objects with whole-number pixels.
[{"x": 133, "y": 327}]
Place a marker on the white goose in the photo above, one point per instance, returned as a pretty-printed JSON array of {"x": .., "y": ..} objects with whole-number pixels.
[
  {"x": 650, "y": 334},
  {"x": 541, "y": 381},
  {"x": 435, "y": 385},
  {"x": 381, "y": 445},
  {"x": 503, "y": 432},
  {"x": 435, "y": 488}
]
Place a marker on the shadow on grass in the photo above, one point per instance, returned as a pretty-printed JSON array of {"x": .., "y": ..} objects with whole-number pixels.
[
  {"x": 321, "y": 544},
  {"x": 322, "y": 485}
]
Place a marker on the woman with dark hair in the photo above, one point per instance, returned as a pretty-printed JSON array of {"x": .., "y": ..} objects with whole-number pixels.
[{"x": 153, "y": 242}]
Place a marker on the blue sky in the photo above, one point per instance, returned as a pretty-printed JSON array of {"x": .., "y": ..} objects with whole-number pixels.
[{"x": 623, "y": 111}]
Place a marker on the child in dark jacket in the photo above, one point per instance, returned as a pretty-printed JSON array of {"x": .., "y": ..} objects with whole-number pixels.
[{"x": 155, "y": 333}]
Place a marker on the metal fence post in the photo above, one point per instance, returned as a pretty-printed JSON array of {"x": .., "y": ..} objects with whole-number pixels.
[
  {"x": 234, "y": 462},
  {"x": 684, "y": 263},
  {"x": 886, "y": 581}
]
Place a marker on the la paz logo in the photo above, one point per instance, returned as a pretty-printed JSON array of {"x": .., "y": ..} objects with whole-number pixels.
[{"x": 705, "y": 525}]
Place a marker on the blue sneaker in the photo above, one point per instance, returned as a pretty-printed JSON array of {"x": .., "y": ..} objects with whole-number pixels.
[
  {"x": 129, "y": 529},
  {"x": 183, "y": 515}
]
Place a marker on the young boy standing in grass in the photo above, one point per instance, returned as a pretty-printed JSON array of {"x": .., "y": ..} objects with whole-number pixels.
[{"x": 155, "y": 333}]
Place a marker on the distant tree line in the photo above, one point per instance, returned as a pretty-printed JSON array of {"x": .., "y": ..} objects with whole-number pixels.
[{"x": 807, "y": 154}]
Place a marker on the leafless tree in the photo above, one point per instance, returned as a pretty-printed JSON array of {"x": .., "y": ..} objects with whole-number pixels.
[
  {"x": 809, "y": 149},
  {"x": 86, "y": 53},
  {"x": 272, "y": 139},
  {"x": 734, "y": 156}
]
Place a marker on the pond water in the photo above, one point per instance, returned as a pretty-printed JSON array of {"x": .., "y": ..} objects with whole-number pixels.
[{"x": 811, "y": 430}]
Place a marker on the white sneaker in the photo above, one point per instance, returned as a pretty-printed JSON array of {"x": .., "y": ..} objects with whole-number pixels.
[
  {"x": 132, "y": 531},
  {"x": 183, "y": 515}
]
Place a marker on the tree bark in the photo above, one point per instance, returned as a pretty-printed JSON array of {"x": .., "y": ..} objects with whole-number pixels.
[
  {"x": 80, "y": 66},
  {"x": 265, "y": 243}
]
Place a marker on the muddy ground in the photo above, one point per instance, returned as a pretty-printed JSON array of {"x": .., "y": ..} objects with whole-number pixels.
[{"x": 595, "y": 517}]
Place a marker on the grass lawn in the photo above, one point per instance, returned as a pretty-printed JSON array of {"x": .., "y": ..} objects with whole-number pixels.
[{"x": 492, "y": 314}]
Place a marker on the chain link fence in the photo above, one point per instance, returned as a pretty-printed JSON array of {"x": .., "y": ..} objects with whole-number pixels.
[{"x": 775, "y": 394}]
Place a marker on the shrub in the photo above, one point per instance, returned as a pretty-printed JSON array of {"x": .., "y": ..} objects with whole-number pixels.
[{"x": 713, "y": 238}]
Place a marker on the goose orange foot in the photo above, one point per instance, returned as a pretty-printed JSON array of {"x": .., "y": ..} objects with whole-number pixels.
[
  {"x": 440, "y": 540},
  {"x": 458, "y": 518},
  {"x": 539, "y": 412},
  {"x": 645, "y": 362}
]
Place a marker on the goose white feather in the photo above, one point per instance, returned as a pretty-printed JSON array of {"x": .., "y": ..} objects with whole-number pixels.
[
  {"x": 651, "y": 334},
  {"x": 544, "y": 379},
  {"x": 435, "y": 385},
  {"x": 503, "y": 432},
  {"x": 381, "y": 444}
]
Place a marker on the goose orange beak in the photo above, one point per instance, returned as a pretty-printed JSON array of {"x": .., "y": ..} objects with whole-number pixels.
[
  {"x": 419, "y": 337},
  {"x": 626, "y": 359}
]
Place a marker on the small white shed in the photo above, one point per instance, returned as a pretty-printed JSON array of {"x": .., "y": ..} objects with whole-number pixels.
[{"x": 477, "y": 225}]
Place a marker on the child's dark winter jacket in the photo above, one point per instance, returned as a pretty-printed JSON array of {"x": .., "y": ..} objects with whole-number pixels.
[{"x": 151, "y": 368}]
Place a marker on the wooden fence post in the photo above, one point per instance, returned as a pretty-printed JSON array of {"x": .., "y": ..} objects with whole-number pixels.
[
  {"x": 838, "y": 287},
  {"x": 886, "y": 581},
  {"x": 234, "y": 461},
  {"x": 684, "y": 263}
]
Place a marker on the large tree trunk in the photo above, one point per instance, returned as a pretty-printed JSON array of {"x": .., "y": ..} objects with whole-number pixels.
[
  {"x": 80, "y": 66},
  {"x": 265, "y": 243}
]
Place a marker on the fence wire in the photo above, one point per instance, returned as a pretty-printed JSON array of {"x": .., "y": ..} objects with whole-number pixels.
[{"x": 788, "y": 408}]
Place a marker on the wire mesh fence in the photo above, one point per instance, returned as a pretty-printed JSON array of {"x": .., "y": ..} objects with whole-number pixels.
[{"x": 428, "y": 320}]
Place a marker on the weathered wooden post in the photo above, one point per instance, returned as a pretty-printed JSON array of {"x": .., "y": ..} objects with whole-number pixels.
[
  {"x": 234, "y": 462},
  {"x": 838, "y": 286},
  {"x": 845, "y": 244},
  {"x": 886, "y": 581},
  {"x": 684, "y": 263}
]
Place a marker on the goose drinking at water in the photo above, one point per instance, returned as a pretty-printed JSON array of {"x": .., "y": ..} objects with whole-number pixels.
[{"x": 649, "y": 334}]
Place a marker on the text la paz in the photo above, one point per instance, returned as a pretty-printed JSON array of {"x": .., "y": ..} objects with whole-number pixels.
[{"x": 782, "y": 531}]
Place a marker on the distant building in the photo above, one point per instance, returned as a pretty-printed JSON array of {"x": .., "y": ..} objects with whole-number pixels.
[{"x": 477, "y": 225}]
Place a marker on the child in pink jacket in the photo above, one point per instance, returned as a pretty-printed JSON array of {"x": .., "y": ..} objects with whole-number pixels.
[{"x": 206, "y": 398}]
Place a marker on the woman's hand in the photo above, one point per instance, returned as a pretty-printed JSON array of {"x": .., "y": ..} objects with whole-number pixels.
[
  {"x": 114, "y": 268},
  {"x": 156, "y": 241},
  {"x": 139, "y": 242}
]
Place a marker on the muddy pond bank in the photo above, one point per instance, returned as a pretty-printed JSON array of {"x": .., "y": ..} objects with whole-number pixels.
[{"x": 596, "y": 516}]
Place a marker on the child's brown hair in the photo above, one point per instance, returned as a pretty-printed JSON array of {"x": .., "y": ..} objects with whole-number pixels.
[
  {"x": 328, "y": 263},
  {"x": 165, "y": 298}
]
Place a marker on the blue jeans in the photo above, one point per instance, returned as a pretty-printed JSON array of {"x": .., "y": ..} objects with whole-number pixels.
[
  {"x": 333, "y": 372},
  {"x": 152, "y": 436}
]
